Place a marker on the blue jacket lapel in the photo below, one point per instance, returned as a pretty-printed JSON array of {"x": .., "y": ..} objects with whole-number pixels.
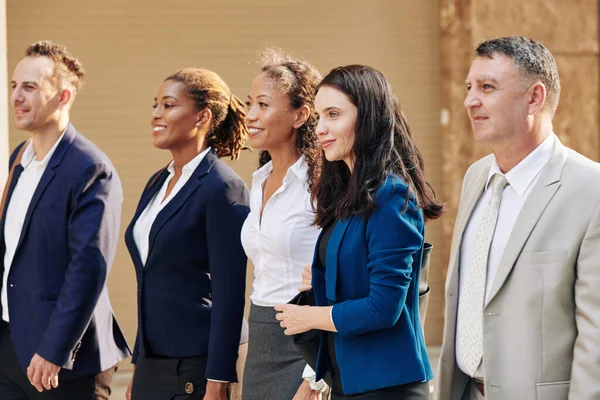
[
  {"x": 47, "y": 177},
  {"x": 180, "y": 198},
  {"x": 333, "y": 249}
]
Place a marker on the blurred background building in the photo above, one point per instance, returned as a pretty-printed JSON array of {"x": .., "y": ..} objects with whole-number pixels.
[{"x": 423, "y": 47}]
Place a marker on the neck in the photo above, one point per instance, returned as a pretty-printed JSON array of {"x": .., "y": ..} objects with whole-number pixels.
[
  {"x": 283, "y": 159},
  {"x": 183, "y": 155},
  {"x": 44, "y": 139},
  {"x": 511, "y": 152}
]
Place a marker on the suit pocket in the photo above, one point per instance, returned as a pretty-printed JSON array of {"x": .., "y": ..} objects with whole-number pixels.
[
  {"x": 543, "y": 257},
  {"x": 553, "y": 390}
]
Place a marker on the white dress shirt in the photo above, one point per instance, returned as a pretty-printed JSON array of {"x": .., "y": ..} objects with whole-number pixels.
[
  {"x": 141, "y": 230},
  {"x": 283, "y": 242},
  {"x": 521, "y": 179},
  {"x": 17, "y": 210}
]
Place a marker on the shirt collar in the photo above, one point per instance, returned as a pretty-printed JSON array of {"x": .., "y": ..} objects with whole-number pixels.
[
  {"x": 525, "y": 172},
  {"x": 299, "y": 169},
  {"x": 28, "y": 160},
  {"x": 191, "y": 166}
]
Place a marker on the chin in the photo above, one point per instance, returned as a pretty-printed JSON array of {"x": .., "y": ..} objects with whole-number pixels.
[{"x": 257, "y": 142}]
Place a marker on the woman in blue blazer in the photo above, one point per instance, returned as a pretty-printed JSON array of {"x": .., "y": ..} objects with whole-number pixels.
[
  {"x": 184, "y": 241},
  {"x": 372, "y": 201}
]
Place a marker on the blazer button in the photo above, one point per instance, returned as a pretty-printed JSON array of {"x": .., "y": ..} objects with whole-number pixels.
[{"x": 189, "y": 387}]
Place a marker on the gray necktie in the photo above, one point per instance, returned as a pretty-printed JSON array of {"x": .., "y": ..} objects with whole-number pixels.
[{"x": 472, "y": 294}]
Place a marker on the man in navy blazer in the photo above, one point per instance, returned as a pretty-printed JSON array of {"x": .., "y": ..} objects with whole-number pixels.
[{"x": 59, "y": 228}]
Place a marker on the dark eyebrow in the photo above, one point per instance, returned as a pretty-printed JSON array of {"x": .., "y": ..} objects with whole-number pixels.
[
  {"x": 331, "y": 108},
  {"x": 167, "y": 97}
]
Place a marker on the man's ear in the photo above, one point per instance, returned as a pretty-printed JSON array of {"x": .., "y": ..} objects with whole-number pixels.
[
  {"x": 65, "y": 98},
  {"x": 536, "y": 97}
]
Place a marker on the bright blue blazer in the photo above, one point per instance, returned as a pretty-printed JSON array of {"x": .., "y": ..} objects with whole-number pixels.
[
  {"x": 57, "y": 297},
  {"x": 191, "y": 291},
  {"x": 372, "y": 281}
]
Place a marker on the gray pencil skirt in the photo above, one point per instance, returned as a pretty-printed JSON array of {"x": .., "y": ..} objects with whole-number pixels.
[{"x": 274, "y": 366}]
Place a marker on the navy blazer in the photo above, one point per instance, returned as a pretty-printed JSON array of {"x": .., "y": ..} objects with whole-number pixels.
[
  {"x": 57, "y": 297},
  {"x": 191, "y": 291},
  {"x": 372, "y": 281}
]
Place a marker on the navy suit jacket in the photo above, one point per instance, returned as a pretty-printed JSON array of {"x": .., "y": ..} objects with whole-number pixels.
[
  {"x": 372, "y": 281},
  {"x": 191, "y": 291},
  {"x": 57, "y": 297}
]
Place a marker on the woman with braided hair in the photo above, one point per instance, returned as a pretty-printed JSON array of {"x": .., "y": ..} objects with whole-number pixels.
[
  {"x": 279, "y": 235},
  {"x": 184, "y": 241}
]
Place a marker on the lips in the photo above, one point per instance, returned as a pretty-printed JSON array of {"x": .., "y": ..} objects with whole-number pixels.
[
  {"x": 20, "y": 112},
  {"x": 253, "y": 131},
  {"x": 326, "y": 143}
]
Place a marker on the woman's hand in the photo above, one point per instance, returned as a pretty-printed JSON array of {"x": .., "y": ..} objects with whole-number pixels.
[
  {"x": 294, "y": 319},
  {"x": 306, "y": 279},
  {"x": 306, "y": 393},
  {"x": 128, "y": 391}
]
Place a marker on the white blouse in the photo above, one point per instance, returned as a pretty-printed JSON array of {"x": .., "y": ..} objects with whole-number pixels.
[
  {"x": 141, "y": 230},
  {"x": 282, "y": 243}
]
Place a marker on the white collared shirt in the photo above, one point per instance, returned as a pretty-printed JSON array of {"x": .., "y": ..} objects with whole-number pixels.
[
  {"x": 282, "y": 243},
  {"x": 141, "y": 230},
  {"x": 521, "y": 179},
  {"x": 17, "y": 210}
]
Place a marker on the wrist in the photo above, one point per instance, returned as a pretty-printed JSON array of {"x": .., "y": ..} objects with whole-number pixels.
[{"x": 216, "y": 387}]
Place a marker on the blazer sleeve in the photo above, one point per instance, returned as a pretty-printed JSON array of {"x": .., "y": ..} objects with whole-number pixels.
[
  {"x": 393, "y": 237},
  {"x": 93, "y": 226},
  {"x": 585, "y": 374},
  {"x": 226, "y": 212}
]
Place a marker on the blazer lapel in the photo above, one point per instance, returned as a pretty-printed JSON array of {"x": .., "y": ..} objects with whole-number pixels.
[
  {"x": 333, "y": 249},
  {"x": 471, "y": 197},
  {"x": 532, "y": 210},
  {"x": 11, "y": 189},
  {"x": 47, "y": 177},
  {"x": 147, "y": 195},
  {"x": 180, "y": 198}
]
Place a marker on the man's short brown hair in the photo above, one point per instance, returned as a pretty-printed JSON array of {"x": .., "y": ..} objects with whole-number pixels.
[{"x": 67, "y": 68}]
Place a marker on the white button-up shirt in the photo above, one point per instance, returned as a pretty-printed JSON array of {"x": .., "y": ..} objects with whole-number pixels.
[
  {"x": 283, "y": 242},
  {"x": 17, "y": 210},
  {"x": 141, "y": 230},
  {"x": 521, "y": 179}
]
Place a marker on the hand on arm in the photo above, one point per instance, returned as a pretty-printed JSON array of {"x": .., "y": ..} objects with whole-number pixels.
[{"x": 298, "y": 319}]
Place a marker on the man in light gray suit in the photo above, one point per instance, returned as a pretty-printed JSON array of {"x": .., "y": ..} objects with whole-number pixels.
[{"x": 523, "y": 284}]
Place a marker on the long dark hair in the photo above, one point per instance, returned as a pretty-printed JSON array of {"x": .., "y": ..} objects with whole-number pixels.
[
  {"x": 298, "y": 80},
  {"x": 228, "y": 132},
  {"x": 383, "y": 146}
]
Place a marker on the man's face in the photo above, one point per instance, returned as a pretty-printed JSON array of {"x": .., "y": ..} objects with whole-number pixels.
[
  {"x": 35, "y": 94},
  {"x": 496, "y": 99}
]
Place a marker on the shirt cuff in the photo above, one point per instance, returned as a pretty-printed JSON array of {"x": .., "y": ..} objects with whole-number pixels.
[
  {"x": 308, "y": 372},
  {"x": 216, "y": 380},
  {"x": 331, "y": 317}
]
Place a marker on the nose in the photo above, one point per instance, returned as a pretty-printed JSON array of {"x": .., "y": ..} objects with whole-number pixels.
[
  {"x": 321, "y": 128},
  {"x": 471, "y": 100},
  {"x": 251, "y": 114},
  {"x": 16, "y": 96},
  {"x": 156, "y": 113}
]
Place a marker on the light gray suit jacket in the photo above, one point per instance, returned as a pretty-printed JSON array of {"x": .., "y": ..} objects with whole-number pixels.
[{"x": 541, "y": 324}]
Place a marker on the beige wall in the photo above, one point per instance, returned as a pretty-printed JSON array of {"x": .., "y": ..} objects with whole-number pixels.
[
  {"x": 128, "y": 47},
  {"x": 3, "y": 97}
]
